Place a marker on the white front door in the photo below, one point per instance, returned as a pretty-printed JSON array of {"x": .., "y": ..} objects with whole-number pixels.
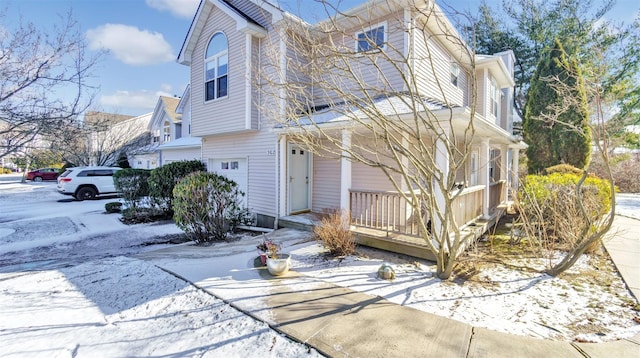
[{"x": 298, "y": 179}]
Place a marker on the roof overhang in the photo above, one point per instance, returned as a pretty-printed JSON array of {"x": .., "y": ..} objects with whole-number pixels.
[
  {"x": 496, "y": 66},
  {"x": 197, "y": 25}
]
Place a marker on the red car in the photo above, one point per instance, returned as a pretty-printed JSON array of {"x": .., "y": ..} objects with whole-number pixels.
[{"x": 43, "y": 174}]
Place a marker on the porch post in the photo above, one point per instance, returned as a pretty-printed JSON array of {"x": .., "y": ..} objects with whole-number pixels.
[
  {"x": 442, "y": 162},
  {"x": 485, "y": 156},
  {"x": 345, "y": 171},
  {"x": 282, "y": 176},
  {"x": 504, "y": 170},
  {"x": 515, "y": 163}
]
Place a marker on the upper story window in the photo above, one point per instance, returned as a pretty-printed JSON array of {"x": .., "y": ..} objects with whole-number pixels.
[
  {"x": 455, "y": 72},
  {"x": 216, "y": 67},
  {"x": 494, "y": 98},
  {"x": 371, "y": 39},
  {"x": 166, "y": 131}
]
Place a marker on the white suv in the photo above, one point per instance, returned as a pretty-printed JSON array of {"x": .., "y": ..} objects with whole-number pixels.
[{"x": 85, "y": 183}]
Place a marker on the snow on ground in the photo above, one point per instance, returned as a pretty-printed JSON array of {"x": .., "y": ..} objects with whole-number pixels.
[
  {"x": 520, "y": 302},
  {"x": 69, "y": 293},
  {"x": 122, "y": 307}
]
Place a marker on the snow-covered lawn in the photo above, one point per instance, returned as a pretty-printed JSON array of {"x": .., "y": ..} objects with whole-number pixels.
[{"x": 82, "y": 297}]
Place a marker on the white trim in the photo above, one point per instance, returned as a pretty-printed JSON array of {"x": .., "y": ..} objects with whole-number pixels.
[
  {"x": 215, "y": 58},
  {"x": 345, "y": 170},
  {"x": 248, "y": 100},
  {"x": 407, "y": 42},
  {"x": 283, "y": 71},
  {"x": 282, "y": 187}
]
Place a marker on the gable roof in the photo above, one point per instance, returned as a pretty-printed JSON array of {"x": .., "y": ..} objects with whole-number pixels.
[
  {"x": 165, "y": 106},
  {"x": 184, "y": 100},
  {"x": 243, "y": 22}
]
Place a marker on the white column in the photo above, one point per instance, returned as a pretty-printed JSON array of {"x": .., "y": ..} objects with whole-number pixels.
[
  {"x": 345, "y": 171},
  {"x": 282, "y": 176},
  {"x": 504, "y": 170},
  {"x": 483, "y": 176},
  {"x": 515, "y": 163},
  {"x": 442, "y": 162}
]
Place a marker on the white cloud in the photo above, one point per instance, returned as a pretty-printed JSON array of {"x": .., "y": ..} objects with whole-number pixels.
[
  {"x": 142, "y": 99},
  {"x": 180, "y": 8},
  {"x": 130, "y": 44}
]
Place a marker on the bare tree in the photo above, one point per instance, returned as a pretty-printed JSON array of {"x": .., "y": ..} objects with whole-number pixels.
[
  {"x": 579, "y": 216},
  {"x": 369, "y": 104},
  {"x": 102, "y": 137},
  {"x": 43, "y": 81}
]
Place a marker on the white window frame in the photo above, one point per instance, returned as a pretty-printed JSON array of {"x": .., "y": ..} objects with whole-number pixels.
[
  {"x": 216, "y": 77},
  {"x": 474, "y": 168},
  {"x": 166, "y": 132},
  {"x": 493, "y": 98},
  {"x": 454, "y": 69},
  {"x": 382, "y": 46}
]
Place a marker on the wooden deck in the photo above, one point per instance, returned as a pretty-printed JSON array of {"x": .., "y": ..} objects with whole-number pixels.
[
  {"x": 410, "y": 245},
  {"x": 416, "y": 246}
]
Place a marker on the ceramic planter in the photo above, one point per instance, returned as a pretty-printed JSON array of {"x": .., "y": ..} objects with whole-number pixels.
[{"x": 280, "y": 265}]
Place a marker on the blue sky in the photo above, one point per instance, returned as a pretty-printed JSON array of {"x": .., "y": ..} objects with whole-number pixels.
[{"x": 144, "y": 37}]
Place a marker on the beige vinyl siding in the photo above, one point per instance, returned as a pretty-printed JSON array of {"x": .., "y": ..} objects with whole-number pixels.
[
  {"x": 432, "y": 63},
  {"x": 259, "y": 149},
  {"x": 385, "y": 79},
  {"x": 174, "y": 155},
  {"x": 226, "y": 114},
  {"x": 364, "y": 177},
  {"x": 326, "y": 183},
  {"x": 483, "y": 98}
]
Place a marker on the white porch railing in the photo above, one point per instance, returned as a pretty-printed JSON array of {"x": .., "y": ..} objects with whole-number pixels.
[{"x": 391, "y": 212}]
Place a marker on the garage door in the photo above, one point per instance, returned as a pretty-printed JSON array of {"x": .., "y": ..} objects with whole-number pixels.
[{"x": 232, "y": 168}]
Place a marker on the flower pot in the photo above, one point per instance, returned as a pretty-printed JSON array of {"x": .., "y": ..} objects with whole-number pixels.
[
  {"x": 263, "y": 258},
  {"x": 280, "y": 265}
]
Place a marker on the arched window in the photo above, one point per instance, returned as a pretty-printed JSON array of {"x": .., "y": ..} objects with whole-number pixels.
[{"x": 216, "y": 67}]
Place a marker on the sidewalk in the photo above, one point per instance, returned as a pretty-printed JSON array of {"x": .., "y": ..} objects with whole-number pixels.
[
  {"x": 624, "y": 249},
  {"x": 338, "y": 321}
]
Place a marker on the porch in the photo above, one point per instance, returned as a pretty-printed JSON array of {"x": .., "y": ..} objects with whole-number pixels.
[{"x": 384, "y": 220}]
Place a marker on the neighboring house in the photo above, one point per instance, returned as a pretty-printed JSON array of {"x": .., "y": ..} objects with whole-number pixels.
[
  {"x": 114, "y": 134},
  {"x": 228, "y": 41},
  {"x": 172, "y": 128}
]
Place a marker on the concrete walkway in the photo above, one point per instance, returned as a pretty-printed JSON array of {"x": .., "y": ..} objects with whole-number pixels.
[
  {"x": 340, "y": 322},
  {"x": 624, "y": 249}
]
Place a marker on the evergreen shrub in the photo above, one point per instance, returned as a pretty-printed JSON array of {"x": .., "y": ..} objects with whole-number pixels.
[
  {"x": 206, "y": 206},
  {"x": 164, "y": 179}
]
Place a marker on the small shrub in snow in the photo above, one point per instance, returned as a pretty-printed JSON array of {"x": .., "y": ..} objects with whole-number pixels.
[
  {"x": 334, "y": 234},
  {"x": 133, "y": 186},
  {"x": 113, "y": 207},
  {"x": 205, "y": 205}
]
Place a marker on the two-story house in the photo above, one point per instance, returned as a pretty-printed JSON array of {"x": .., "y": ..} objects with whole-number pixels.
[
  {"x": 230, "y": 41},
  {"x": 171, "y": 127}
]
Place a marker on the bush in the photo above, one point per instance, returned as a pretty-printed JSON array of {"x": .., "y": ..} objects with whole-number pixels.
[
  {"x": 334, "y": 234},
  {"x": 624, "y": 169},
  {"x": 133, "y": 185},
  {"x": 113, "y": 207},
  {"x": 164, "y": 179},
  {"x": 563, "y": 169},
  {"x": 549, "y": 207},
  {"x": 205, "y": 205}
]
